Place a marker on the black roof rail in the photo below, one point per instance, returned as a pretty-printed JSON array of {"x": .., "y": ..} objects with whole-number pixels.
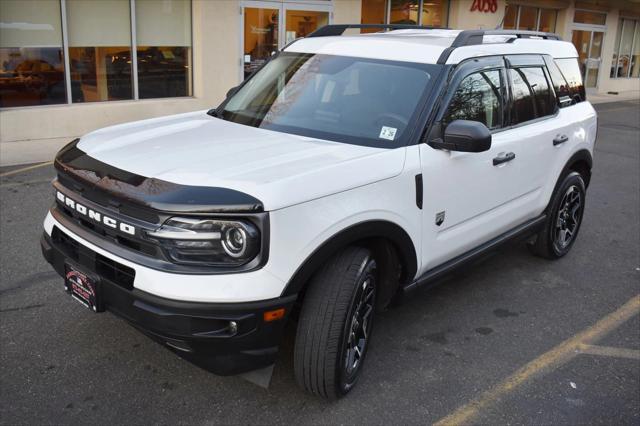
[
  {"x": 339, "y": 29},
  {"x": 475, "y": 37}
]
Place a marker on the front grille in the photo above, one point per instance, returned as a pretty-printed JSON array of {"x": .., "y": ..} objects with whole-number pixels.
[
  {"x": 106, "y": 268},
  {"x": 132, "y": 243}
]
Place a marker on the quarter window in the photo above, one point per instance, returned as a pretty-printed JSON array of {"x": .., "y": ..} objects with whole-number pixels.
[{"x": 477, "y": 98}]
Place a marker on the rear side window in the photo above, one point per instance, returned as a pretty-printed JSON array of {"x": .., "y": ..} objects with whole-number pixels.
[
  {"x": 571, "y": 71},
  {"x": 532, "y": 95},
  {"x": 477, "y": 98},
  {"x": 559, "y": 83}
]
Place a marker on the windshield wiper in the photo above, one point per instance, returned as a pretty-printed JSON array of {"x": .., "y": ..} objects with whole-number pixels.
[{"x": 214, "y": 113}]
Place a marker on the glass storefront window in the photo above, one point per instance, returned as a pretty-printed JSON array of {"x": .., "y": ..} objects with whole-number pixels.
[
  {"x": 163, "y": 40},
  {"x": 635, "y": 55},
  {"x": 589, "y": 17},
  {"x": 510, "y": 18},
  {"x": 530, "y": 18},
  {"x": 373, "y": 12},
  {"x": 624, "y": 61},
  {"x": 404, "y": 12},
  {"x": 260, "y": 37},
  {"x": 31, "y": 58},
  {"x": 99, "y": 36},
  {"x": 434, "y": 13},
  {"x": 430, "y": 13},
  {"x": 547, "y": 22},
  {"x": 301, "y": 23}
]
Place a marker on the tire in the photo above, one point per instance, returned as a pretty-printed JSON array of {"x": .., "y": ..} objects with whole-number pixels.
[
  {"x": 337, "y": 306},
  {"x": 564, "y": 217}
]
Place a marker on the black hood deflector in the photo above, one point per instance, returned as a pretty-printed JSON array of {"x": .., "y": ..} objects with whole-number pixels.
[{"x": 93, "y": 176}]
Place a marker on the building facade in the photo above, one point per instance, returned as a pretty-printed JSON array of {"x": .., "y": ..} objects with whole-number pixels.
[{"x": 71, "y": 66}]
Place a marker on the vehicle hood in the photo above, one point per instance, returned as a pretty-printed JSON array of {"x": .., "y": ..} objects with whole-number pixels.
[{"x": 279, "y": 169}]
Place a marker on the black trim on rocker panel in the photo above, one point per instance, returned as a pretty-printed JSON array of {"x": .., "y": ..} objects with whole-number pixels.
[
  {"x": 91, "y": 175},
  {"x": 358, "y": 232},
  {"x": 432, "y": 275}
]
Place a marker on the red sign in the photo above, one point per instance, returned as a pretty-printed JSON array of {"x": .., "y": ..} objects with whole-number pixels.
[{"x": 485, "y": 6}]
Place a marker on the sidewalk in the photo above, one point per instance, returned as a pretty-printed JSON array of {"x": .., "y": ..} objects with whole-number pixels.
[{"x": 41, "y": 150}]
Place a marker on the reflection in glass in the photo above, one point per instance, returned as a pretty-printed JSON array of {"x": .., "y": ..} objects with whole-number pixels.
[
  {"x": 523, "y": 108},
  {"x": 99, "y": 35},
  {"x": 163, "y": 38},
  {"x": 477, "y": 98},
  {"x": 544, "y": 102},
  {"x": 404, "y": 12},
  {"x": 31, "y": 61},
  {"x": 434, "y": 13},
  {"x": 260, "y": 37}
]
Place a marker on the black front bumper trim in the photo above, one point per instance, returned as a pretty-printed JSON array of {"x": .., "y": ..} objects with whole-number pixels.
[{"x": 197, "y": 331}]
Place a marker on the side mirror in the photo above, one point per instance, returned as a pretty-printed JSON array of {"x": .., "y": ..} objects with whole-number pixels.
[
  {"x": 232, "y": 91},
  {"x": 464, "y": 136}
]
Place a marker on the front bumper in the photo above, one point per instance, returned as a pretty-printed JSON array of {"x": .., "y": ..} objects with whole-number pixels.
[{"x": 198, "y": 331}]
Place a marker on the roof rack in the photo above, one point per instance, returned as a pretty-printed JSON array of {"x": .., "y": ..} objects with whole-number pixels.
[
  {"x": 464, "y": 38},
  {"x": 475, "y": 37},
  {"x": 339, "y": 29}
]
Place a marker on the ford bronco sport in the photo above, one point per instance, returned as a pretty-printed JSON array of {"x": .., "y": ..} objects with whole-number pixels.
[{"x": 348, "y": 170}]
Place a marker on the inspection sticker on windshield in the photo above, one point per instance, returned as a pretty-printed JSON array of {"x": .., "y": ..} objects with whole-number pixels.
[{"x": 388, "y": 133}]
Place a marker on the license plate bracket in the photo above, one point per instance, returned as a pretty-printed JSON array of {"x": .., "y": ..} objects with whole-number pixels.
[{"x": 83, "y": 287}]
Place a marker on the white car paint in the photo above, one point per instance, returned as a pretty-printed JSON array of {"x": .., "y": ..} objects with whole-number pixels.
[
  {"x": 278, "y": 168},
  {"x": 315, "y": 188}
]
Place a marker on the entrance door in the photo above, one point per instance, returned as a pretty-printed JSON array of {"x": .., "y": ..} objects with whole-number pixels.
[
  {"x": 589, "y": 46},
  {"x": 270, "y": 25}
]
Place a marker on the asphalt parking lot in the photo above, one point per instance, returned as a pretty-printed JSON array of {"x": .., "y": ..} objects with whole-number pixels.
[{"x": 514, "y": 339}]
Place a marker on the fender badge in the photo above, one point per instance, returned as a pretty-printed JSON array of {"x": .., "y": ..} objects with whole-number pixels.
[{"x": 439, "y": 218}]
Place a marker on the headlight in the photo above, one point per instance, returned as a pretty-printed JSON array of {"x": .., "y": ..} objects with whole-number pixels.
[{"x": 214, "y": 242}]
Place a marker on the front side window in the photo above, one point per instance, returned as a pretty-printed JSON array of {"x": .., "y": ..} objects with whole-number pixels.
[
  {"x": 31, "y": 58},
  {"x": 353, "y": 100},
  {"x": 477, "y": 98}
]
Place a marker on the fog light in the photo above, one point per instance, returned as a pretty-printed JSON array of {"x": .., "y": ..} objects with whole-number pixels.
[{"x": 233, "y": 327}]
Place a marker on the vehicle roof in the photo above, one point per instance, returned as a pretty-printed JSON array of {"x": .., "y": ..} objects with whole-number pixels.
[{"x": 426, "y": 46}]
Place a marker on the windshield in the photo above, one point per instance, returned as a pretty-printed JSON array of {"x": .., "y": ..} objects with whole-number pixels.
[{"x": 353, "y": 100}]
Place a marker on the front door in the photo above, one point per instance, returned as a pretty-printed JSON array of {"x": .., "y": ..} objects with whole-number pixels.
[
  {"x": 269, "y": 25},
  {"x": 589, "y": 46}
]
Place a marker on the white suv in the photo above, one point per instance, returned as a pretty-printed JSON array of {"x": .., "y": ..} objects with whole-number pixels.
[{"x": 348, "y": 170}]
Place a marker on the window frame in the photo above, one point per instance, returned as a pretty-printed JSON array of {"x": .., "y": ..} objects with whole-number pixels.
[{"x": 134, "y": 60}]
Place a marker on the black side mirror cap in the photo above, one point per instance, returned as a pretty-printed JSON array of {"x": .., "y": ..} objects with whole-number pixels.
[{"x": 464, "y": 136}]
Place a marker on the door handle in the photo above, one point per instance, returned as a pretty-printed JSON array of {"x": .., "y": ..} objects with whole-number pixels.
[
  {"x": 560, "y": 139},
  {"x": 504, "y": 158}
]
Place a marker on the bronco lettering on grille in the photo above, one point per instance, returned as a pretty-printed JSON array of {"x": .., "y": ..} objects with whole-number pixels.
[{"x": 94, "y": 215}]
